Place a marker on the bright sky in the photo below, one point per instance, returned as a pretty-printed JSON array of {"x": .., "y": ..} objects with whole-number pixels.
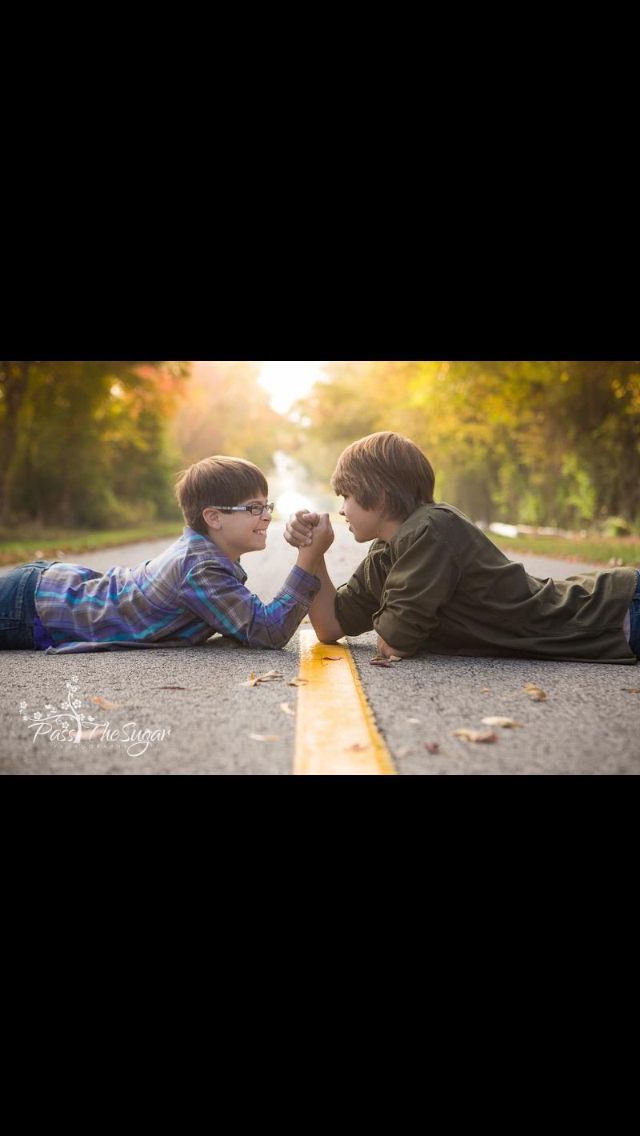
[{"x": 288, "y": 381}]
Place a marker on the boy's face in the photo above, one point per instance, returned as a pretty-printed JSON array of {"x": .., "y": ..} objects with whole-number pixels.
[
  {"x": 237, "y": 533},
  {"x": 365, "y": 524}
]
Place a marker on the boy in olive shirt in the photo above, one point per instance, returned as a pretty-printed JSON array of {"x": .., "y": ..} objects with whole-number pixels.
[{"x": 433, "y": 580}]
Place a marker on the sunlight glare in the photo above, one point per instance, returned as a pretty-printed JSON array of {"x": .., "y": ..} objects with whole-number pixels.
[{"x": 288, "y": 381}]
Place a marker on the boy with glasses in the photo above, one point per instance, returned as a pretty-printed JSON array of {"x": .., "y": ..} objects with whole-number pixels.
[{"x": 182, "y": 597}]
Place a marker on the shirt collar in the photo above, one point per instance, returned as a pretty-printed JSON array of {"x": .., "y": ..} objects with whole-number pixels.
[
  {"x": 408, "y": 526},
  {"x": 205, "y": 543}
]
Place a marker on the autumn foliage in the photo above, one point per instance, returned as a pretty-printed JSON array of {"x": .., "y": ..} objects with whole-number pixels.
[{"x": 540, "y": 443}]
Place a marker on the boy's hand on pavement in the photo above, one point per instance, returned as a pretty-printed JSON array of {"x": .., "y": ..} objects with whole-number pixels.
[
  {"x": 300, "y": 527},
  {"x": 387, "y": 652}
]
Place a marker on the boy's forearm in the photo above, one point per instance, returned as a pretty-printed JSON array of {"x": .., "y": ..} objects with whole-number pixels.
[{"x": 322, "y": 612}]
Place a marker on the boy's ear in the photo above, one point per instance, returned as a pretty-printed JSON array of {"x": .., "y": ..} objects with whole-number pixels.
[{"x": 212, "y": 518}]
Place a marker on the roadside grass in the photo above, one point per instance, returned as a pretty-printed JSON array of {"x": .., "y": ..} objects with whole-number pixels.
[
  {"x": 592, "y": 549},
  {"x": 59, "y": 544}
]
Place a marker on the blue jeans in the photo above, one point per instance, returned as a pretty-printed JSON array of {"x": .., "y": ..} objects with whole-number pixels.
[
  {"x": 634, "y": 609},
  {"x": 17, "y": 605}
]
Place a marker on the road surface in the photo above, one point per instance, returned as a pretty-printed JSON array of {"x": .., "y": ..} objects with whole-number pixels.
[{"x": 167, "y": 711}]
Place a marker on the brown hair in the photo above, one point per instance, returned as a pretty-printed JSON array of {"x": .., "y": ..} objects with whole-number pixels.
[
  {"x": 385, "y": 470},
  {"x": 217, "y": 481}
]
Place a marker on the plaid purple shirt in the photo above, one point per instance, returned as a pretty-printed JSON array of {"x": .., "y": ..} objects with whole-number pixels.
[{"x": 179, "y": 599}]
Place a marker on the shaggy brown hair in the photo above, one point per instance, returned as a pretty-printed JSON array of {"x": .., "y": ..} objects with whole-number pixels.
[
  {"x": 217, "y": 481},
  {"x": 385, "y": 470}
]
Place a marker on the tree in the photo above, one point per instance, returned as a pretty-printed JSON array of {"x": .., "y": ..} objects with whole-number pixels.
[
  {"x": 539, "y": 442},
  {"x": 81, "y": 437},
  {"x": 227, "y": 412}
]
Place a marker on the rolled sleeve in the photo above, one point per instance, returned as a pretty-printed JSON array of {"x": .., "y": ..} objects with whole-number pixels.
[
  {"x": 218, "y": 597},
  {"x": 357, "y": 601}
]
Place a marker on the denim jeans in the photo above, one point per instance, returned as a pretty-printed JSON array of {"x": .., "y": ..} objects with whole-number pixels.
[
  {"x": 634, "y": 610},
  {"x": 17, "y": 605}
]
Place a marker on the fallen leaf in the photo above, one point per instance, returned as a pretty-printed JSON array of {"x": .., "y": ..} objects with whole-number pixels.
[
  {"x": 506, "y": 723},
  {"x": 331, "y": 658},
  {"x": 395, "y": 658},
  {"x": 169, "y": 688},
  {"x": 270, "y": 676},
  {"x": 264, "y": 737},
  {"x": 257, "y": 680},
  {"x": 485, "y": 690},
  {"x": 432, "y": 747},
  {"x": 298, "y": 682},
  {"x": 533, "y": 692},
  {"x": 104, "y": 704},
  {"x": 632, "y": 689},
  {"x": 286, "y": 709},
  {"x": 415, "y": 721},
  {"x": 89, "y": 735},
  {"x": 379, "y": 661},
  {"x": 357, "y": 747},
  {"x": 475, "y": 736},
  {"x": 252, "y": 681}
]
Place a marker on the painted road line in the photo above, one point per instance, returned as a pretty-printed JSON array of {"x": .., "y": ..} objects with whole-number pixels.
[{"x": 336, "y": 731}]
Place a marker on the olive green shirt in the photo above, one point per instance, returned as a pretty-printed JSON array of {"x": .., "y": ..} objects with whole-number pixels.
[{"x": 441, "y": 584}]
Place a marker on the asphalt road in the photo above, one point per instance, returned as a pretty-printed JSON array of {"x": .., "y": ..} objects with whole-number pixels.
[{"x": 186, "y": 712}]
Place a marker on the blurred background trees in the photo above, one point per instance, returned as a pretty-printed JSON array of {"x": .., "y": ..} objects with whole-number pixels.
[
  {"x": 85, "y": 443},
  {"x": 539, "y": 443},
  {"x": 97, "y": 444}
]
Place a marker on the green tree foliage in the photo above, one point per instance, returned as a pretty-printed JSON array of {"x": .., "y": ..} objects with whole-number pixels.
[
  {"x": 554, "y": 443},
  {"x": 85, "y": 442}
]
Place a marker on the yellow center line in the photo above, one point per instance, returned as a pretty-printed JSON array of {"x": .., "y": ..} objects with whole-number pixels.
[{"x": 336, "y": 732}]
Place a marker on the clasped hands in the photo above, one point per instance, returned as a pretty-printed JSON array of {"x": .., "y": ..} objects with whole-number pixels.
[{"x": 305, "y": 529}]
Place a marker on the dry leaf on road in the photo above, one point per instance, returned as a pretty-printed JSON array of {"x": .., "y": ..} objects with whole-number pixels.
[
  {"x": 298, "y": 682},
  {"x": 252, "y": 681},
  {"x": 104, "y": 704},
  {"x": 475, "y": 736},
  {"x": 286, "y": 709},
  {"x": 432, "y": 747},
  {"x": 533, "y": 692},
  {"x": 264, "y": 737},
  {"x": 257, "y": 680},
  {"x": 379, "y": 661},
  {"x": 331, "y": 658},
  {"x": 506, "y": 723},
  {"x": 631, "y": 689}
]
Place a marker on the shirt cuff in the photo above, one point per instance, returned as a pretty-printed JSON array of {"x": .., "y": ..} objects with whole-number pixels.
[
  {"x": 398, "y": 634},
  {"x": 302, "y": 585}
]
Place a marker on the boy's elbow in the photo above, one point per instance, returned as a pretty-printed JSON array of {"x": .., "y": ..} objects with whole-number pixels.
[
  {"x": 271, "y": 639},
  {"x": 328, "y": 633}
]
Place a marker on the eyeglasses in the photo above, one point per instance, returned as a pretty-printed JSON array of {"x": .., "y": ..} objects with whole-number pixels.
[{"x": 255, "y": 510}]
